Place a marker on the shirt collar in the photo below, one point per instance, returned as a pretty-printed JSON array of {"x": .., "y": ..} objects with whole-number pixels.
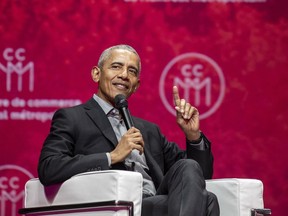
[{"x": 103, "y": 104}]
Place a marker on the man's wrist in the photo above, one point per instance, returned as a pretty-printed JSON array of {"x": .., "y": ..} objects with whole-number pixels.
[{"x": 195, "y": 138}]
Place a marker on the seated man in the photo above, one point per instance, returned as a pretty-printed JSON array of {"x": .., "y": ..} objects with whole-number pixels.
[{"x": 92, "y": 136}]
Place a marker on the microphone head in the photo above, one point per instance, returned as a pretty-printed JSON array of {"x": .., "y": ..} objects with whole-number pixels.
[{"x": 120, "y": 101}]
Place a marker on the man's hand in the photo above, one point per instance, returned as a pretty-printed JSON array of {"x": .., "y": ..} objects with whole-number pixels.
[
  {"x": 187, "y": 116},
  {"x": 131, "y": 140}
]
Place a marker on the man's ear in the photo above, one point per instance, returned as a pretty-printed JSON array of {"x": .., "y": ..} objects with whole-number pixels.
[{"x": 95, "y": 74}]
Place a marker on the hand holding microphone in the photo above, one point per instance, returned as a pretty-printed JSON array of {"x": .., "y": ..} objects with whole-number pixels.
[{"x": 132, "y": 139}]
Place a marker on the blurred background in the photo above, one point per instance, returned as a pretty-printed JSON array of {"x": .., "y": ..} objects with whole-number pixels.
[{"x": 228, "y": 57}]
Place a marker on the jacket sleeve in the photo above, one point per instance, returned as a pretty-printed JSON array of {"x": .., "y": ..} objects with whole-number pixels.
[
  {"x": 203, "y": 157},
  {"x": 166, "y": 153},
  {"x": 58, "y": 160}
]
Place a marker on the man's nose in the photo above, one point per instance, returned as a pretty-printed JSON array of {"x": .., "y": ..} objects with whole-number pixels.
[{"x": 124, "y": 73}]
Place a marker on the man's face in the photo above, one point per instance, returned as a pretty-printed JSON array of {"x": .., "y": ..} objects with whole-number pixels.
[{"x": 119, "y": 75}]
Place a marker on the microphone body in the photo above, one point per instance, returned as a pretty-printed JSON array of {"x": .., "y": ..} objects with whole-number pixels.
[
  {"x": 127, "y": 117},
  {"x": 122, "y": 104}
]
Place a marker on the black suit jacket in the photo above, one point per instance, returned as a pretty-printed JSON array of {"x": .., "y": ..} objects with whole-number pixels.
[{"x": 81, "y": 136}]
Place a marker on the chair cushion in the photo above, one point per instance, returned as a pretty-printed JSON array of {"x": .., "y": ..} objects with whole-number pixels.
[
  {"x": 237, "y": 196},
  {"x": 88, "y": 187}
]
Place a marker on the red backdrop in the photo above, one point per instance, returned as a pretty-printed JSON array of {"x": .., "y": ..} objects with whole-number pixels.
[{"x": 230, "y": 59}]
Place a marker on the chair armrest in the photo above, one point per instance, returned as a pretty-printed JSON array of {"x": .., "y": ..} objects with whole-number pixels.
[
  {"x": 89, "y": 187},
  {"x": 237, "y": 196},
  {"x": 108, "y": 208},
  {"x": 260, "y": 212}
]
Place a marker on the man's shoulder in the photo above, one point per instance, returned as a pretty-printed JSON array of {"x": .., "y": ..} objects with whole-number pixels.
[
  {"x": 88, "y": 104},
  {"x": 73, "y": 110}
]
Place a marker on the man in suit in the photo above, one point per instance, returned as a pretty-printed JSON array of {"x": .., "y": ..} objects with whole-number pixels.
[{"x": 92, "y": 136}]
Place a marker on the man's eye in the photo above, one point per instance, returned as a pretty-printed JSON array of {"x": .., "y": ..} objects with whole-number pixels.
[
  {"x": 133, "y": 71},
  {"x": 115, "y": 66}
]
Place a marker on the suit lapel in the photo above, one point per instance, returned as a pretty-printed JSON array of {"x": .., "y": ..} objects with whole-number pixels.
[{"x": 100, "y": 119}]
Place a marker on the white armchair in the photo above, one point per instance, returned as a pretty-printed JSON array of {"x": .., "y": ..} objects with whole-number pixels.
[
  {"x": 238, "y": 197},
  {"x": 115, "y": 192}
]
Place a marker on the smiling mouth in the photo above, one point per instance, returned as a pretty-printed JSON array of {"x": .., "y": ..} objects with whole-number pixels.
[{"x": 121, "y": 86}]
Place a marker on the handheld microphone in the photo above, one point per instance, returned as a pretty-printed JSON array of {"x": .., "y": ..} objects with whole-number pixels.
[{"x": 122, "y": 104}]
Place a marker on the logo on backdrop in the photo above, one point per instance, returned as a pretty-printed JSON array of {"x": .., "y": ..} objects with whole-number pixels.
[
  {"x": 12, "y": 181},
  {"x": 17, "y": 75},
  {"x": 15, "y": 65},
  {"x": 199, "y": 79}
]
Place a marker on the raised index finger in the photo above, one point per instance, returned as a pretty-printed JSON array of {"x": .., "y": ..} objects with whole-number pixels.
[{"x": 176, "y": 96}]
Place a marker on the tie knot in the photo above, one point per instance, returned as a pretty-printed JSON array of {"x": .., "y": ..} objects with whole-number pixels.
[{"x": 115, "y": 114}]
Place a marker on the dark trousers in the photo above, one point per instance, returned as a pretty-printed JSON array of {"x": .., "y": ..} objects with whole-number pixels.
[{"x": 182, "y": 193}]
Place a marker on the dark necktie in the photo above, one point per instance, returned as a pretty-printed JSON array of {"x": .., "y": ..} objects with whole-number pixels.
[{"x": 118, "y": 125}]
